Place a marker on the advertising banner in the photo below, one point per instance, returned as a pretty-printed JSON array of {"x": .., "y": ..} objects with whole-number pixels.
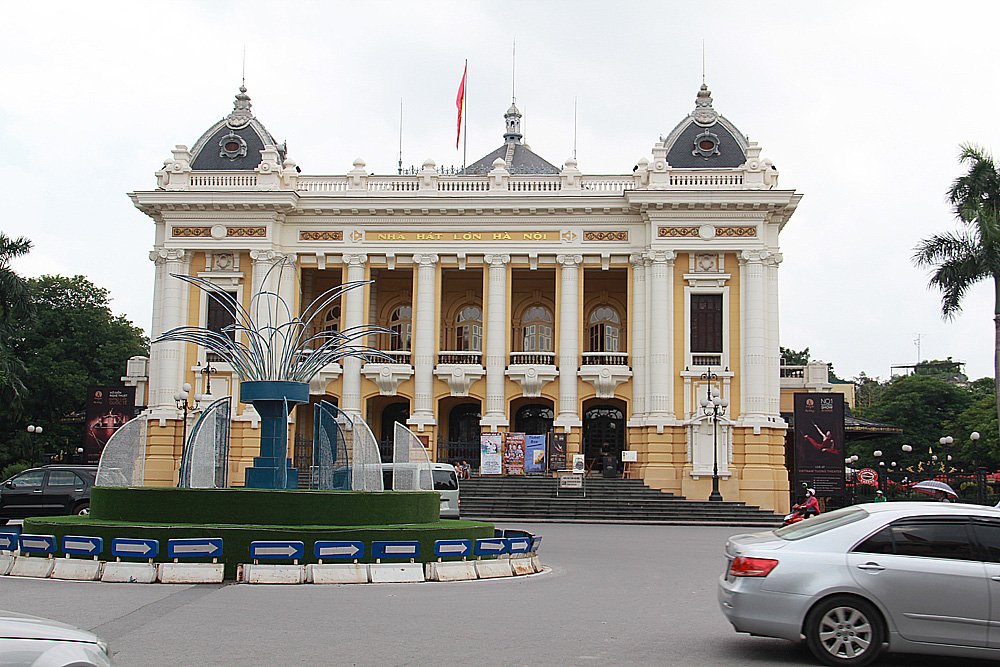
[
  {"x": 491, "y": 458},
  {"x": 819, "y": 444},
  {"x": 107, "y": 409},
  {"x": 534, "y": 454},
  {"x": 513, "y": 454},
  {"x": 557, "y": 452}
]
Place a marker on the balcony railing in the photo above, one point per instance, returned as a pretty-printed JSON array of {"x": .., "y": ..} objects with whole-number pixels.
[
  {"x": 474, "y": 358},
  {"x": 533, "y": 358},
  {"x": 706, "y": 359},
  {"x": 793, "y": 372},
  {"x": 605, "y": 359},
  {"x": 395, "y": 357}
]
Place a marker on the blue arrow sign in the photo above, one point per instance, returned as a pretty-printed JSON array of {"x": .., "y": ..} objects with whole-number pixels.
[
  {"x": 38, "y": 543},
  {"x": 328, "y": 549},
  {"x": 536, "y": 542},
  {"x": 444, "y": 548},
  {"x": 8, "y": 541},
  {"x": 195, "y": 547},
  {"x": 276, "y": 550},
  {"x": 404, "y": 550},
  {"x": 518, "y": 545},
  {"x": 83, "y": 546},
  {"x": 493, "y": 546},
  {"x": 126, "y": 547}
]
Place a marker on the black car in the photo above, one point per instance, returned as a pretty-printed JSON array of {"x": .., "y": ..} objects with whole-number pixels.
[{"x": 49, "y": 490}]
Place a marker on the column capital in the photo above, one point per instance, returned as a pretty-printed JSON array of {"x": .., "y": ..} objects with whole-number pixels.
[
  {"x": 569, "y": 260},
  {"x": 661, "y": 256},
  {"x": 161, "y": 255},
  {"x": 754, "y": 255},
  {"x": 497, "y": 260},
  {"x": 355, "y": 260},
  {"x": 774, "y": 259},
  {"x": 638, "y": 260},
  {"x": 269, "y": 256},
  {"x": 425, "y": 259}
]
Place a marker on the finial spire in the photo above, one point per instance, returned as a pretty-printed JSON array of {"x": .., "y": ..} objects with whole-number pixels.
[
  {"x": 513, "y": 66},
  {"x": 704, "y": 114},
  {"x": 513, "y": 122},
  {"x": 241, "y": 114},
  {"x": 703, "y": 62}
]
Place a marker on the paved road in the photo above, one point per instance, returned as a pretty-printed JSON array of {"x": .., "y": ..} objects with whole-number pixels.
[{"x": 616, "y": 595}]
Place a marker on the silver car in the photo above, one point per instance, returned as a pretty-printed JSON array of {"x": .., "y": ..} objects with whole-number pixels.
[
  {"x": 909, "y": 577},
  {"x": 29, "y": 640}
]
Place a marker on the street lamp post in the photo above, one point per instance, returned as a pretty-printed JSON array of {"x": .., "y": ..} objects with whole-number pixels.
[
  {"x": 207, "y": 372},
  {"x": 714, "y": 406},
  {"x": 181, "y": 399},
  {"x": 980, "y": 470},
  {"x": 37, "y": 430},
  {"x": 880, "y": 466}
]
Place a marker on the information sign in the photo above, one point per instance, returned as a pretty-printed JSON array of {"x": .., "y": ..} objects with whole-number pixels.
[
  {"x": 388, "y": 550},
  {"x": 195, "y": 547},
  {"x": 491, "y": 456},
  {"x": 81, "y": 545},
  {"x": 443, "y": 548},
  {"x": 125, "y": 547}
]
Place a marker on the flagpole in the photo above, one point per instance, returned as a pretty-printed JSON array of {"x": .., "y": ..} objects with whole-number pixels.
[{"x": 465, "y": 112}]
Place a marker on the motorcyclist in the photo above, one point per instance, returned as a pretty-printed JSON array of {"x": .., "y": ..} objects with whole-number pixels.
[{"x": 810, "y": 506}]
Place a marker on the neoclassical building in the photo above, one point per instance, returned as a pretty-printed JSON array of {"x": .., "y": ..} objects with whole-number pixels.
[{"x": 520, "y": 296}]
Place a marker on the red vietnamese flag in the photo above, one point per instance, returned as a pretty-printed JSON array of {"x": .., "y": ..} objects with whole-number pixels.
[{"x": 460, "y": 103}]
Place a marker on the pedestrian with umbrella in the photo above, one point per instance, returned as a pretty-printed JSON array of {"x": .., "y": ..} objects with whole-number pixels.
[{"x": 938, "y": 490}]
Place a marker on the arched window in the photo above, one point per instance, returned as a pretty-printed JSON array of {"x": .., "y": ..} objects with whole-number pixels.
[
  {"x": 537, "y": 323},
  {"x": 469, "y": 329},
  {"x": 332, "y": 320},
  {"x": 605, "y": 329},
  {"x": 400, "y": 323}
]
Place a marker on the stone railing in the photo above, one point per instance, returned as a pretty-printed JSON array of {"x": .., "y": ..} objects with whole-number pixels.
[
  {"x": 605, "y": 359},
  {"x": 458, "y": 357},
  {"x": 699, "y": 178},
  {"x": 533, "y": 358}
]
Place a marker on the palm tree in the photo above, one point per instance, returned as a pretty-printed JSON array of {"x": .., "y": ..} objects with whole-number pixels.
[
  {"x": 14, "y": 295},
  {"x": 972, "y": 253}
]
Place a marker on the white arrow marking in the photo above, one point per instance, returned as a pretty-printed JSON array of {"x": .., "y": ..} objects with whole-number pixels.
[
  {"x": 286, "y": 550},
  {"x": 209, "y": 548},
  {"x": 9, "y": 541},
  {"x": 134, "y": 548},
  {"x": 400, "y": 549},
  {"x": 338, "y": 551},
  {"x": 518, "y": 545},
  {"x": 79, "y": 544},
  {"x": 453, "y": 548},
  {"x": 29, "y": 543},
  {"x": 490, "y": 546}
]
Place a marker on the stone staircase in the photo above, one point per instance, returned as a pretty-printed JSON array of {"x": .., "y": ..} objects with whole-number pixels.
[{"x": 605, "y": 501}]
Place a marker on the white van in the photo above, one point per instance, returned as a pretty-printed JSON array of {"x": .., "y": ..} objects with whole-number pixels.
[{"x": 445, "y": 483}]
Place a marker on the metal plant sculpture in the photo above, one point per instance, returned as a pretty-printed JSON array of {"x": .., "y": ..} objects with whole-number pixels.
[{"x": 278, "y": 346}]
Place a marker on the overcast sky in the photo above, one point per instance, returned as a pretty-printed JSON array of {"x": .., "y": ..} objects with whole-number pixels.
[{"x": 861, "y": 105}]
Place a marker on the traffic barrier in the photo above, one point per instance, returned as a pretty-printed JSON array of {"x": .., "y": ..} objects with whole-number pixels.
[
  {"x": 337, "y": 573},
  {"x": 193, "y": 573},
  {"x": 77, "y": 569},
  {"x": 456, "y": 570},
  {"x": 535, "y": 563},
  {"x": 396, "y": 573},
  {"x": 521, "y": 565},
  {"x": 256, "y": 573},
  {"x": 6, "y": 563},
  {"x": 491, "y": 569},
  {"x": 31, "y": 566},
  {"x": 127, "y": 572}
]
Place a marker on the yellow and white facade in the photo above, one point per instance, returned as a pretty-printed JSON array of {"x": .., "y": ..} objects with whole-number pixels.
[{"x": 522, "y": 296}]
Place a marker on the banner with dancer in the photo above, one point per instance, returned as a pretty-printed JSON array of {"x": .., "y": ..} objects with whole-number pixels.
[
  {"x": 107, "y": 409},
  {"x": 819, "y": 444}
]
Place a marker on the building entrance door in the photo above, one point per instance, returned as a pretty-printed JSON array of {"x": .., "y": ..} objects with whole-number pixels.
[{"x": 603, "y": 437}]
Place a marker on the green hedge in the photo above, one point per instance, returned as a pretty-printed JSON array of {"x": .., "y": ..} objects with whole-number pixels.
[
  {"x": 237, "y": 539},
  {"x": 263, "y": 506}
]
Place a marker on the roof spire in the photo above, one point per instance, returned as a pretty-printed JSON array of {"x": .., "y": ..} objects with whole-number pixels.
[
  {"x": 513, "y": 121},
  {"x": 241, "y": 114},
  {"x": 704, "y": 114}
]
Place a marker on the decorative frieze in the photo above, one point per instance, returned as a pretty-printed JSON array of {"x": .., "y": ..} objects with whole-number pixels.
[
  {"x": 246, "y": 232},
  {"x": 317, "y": 235},
  {"x": 707, "y": 232},
  {"x": 191, "y": 232},
  {"x": 207, "y": 232},
  {"x": 621, "y": 235},
  {"x": 741, "y": 231},
  {"x": 677, "y": 232}
]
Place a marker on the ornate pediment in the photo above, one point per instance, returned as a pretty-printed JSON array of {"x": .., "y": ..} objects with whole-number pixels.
[
  {"x": 459, "y": 376},
  {"x": 387, "y": 376},
  {"x": 532, "y": 377}
]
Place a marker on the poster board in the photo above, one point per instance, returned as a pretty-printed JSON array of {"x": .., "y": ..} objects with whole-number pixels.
[
  {"x": 819, "y": 444},
  {"x": 579, "y": 464},
  {"x": 534, "y": 454},
  {"x": 490, "y": 453},
  {"x": 513, "y": 454},
  {"x": 557, "y": 452},
  {"x": 107, "y": 409}
]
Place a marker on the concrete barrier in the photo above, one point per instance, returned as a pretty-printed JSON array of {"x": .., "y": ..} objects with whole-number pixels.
[
  {"x": 337, "y": 573},
  {"x": 490, "y": 569},
  {"x": 254, "y": 573},
  {"x": 521, "y": 565},
  {"x": 464, "y": 570},
  {"x": 77, "y": 569},
  {"x": 396, "y": 573},
  {"x": 535, "y": 563},
  {"x": 129, "y": 573},
  {"x": 191, "y": 573},
  {"x": 6, "y": 562},
  {"x": 31, "y": 566}
]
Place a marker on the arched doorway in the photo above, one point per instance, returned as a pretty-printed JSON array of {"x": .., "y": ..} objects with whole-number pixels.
[
  {"x": 463, "y": 435},
  {"x": 534, "y": 419},
  {"x": 392, "y": 413},
  {"x": 603, "y": 433}
]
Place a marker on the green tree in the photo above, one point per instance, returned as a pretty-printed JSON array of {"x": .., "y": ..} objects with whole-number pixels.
[
  {"x": 924, "y": 406},
  {"x": 72, "y": 341},
  {"x": 14, "y": 301},
  {"x": 980, "y": 417},
  {"x": 970, "y": 254},
  {"x": 790, "y": 357}
]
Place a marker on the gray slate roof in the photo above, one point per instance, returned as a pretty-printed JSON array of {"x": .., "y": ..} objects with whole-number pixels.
[
  {"x": 208, "y": 154},
  {"x": 519, "y": 160}
]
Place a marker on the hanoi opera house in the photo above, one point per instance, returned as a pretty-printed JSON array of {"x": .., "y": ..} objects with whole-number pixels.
[{"x": 521, "y": 296}]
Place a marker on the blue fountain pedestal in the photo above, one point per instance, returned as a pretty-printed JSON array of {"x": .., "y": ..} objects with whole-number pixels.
[{"x": 272, "y": 400}]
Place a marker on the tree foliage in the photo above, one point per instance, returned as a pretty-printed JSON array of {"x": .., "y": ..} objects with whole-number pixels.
[{"x": 71, "y": 342}]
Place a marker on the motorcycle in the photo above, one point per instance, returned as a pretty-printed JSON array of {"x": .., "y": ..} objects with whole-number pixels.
[{"x": 797, "y": 514}]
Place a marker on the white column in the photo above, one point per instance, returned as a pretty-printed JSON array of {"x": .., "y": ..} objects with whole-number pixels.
[
  {"x": 773, "y": 339},
  {"x": 353, "y": 316},
  {"x": 638, "y": 343},
  {"x": 424, "y": 327},
  {"x": 661, "y": 338},
  {"x": 755, "y": 337},
  {"x": 569, "y": 347},
  {"x": 170, "y": 299},
  {"x": 497, "y": 323}
]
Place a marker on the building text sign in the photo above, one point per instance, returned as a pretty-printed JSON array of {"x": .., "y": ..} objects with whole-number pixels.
[{"x": 528, "y": 236}]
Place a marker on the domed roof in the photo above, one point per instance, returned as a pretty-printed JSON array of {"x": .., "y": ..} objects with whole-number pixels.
[
  {"x": 235, "y": 142},
  {"x": 705, "y": 139},
  {"x": 517, "y": 156}
]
